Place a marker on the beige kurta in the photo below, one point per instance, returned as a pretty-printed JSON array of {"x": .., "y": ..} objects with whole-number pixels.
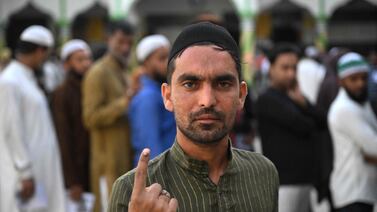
[{"x": 104, "y": 107}]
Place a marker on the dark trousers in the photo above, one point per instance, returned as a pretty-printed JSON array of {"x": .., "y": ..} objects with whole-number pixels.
[{"x": 357, "y": 207}]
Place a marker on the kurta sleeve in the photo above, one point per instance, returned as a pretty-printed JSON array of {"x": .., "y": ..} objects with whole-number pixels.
[
  {"x": 96, "y": 111},
  {"x": 10, "y": 113},
  {"x": 356, "y": 127}
]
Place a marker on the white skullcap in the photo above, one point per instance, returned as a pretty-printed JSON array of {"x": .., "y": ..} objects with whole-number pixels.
[
  {"x": 149, "y": 44},
  {"x": 38, "y": 35},
  {"x": 72, "y": 46},
  {"x": 311, "y": 51}
]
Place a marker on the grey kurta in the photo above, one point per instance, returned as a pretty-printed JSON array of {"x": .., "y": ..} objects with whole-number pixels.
[{"x": 250, "y": 183}]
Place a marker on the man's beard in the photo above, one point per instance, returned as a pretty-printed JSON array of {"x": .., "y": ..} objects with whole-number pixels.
[
  {"x": 205, "y": 134},
  {"x": 76, "y": 73},
  {"x": 123, "y": 59},
  {"x": 359, "y": 98}
]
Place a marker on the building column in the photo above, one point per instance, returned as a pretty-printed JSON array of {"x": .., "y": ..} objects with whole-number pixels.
[
  {"x": 246, "y": 14},
  {"x": 247, "y": 44},
  {"x": 63, "y": 23},
  {"x": 321, "y": 24},
  {"x": 119, "y": 9}
]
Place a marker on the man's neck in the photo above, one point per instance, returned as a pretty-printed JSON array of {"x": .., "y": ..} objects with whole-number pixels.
[
  {"x": 277, "y": 87},
  {"x": 122, "y": 63},
  {"x": 26, "y": 60},
  {"x": 215, "y": 155}
]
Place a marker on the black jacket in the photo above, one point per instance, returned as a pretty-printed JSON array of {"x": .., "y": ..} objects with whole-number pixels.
[{"x": 290, "y": 135}]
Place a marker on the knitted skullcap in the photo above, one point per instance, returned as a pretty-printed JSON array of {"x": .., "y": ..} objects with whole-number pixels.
[
  {"x": 204, "y": 32},
  {"x": 351, "y": 63}
]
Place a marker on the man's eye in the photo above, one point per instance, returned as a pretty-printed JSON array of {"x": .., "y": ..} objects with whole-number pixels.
[
  {"x": 224, "y": 84},
  {"x": 189, "y": 85}
]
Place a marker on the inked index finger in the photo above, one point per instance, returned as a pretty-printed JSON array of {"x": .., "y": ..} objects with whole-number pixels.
[{"x": 141, "y": 172}]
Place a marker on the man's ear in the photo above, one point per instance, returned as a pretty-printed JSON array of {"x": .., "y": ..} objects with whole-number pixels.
[
  {"x": 166, "y": 95},
  {"x": 242, "y": 94}
]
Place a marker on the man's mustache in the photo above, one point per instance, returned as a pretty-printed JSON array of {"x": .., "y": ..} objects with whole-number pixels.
[{"x": 207, "y": 111}]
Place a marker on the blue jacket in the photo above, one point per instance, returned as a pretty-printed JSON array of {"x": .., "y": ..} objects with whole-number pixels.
[{"x": 152, "y": 125}]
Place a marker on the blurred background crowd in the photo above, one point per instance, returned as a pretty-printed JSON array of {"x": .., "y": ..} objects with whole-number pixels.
[{"x": 102, "y": 120}]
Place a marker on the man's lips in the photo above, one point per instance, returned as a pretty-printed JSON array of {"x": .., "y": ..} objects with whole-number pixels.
[{"x": 207, "y": 118}]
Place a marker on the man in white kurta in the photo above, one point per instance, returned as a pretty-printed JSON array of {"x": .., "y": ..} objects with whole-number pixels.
[
  {"x": 28, "y": 144},
  {"x": 353, "y": 128},
  {"x": 310, "y": 74}
]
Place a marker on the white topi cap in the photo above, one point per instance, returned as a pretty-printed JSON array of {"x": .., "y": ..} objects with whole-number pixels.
[
  {"x": 149, "y": 44},
  {"x": 311, "y": 51},
  {"x": 38, "y": 35},
  {"x": 72, "y": 46}
]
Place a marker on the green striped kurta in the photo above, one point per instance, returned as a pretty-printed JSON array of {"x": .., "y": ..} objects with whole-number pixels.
[{"x": 250, "y": 183}]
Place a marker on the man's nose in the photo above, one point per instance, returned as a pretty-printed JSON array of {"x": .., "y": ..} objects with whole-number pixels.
[{"x": 207, "y": 97}]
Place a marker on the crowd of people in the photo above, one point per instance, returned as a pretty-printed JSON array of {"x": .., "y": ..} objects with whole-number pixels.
[{"x": 186, "y": 108}]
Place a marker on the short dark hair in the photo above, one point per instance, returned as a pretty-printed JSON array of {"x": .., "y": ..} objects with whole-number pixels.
[
  {"x": 282, "y": 48},
  {"x": 25, "y": 47},
  {"x": 171, "y": 64},
  {"x": 123, "y": 26}
]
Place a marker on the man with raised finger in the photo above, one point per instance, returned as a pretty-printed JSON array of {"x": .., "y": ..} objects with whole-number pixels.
[{"x": 201, "y": 171}]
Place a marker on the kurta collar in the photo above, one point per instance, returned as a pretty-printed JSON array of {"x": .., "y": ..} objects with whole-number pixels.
[{"x": 197, "y": 166}]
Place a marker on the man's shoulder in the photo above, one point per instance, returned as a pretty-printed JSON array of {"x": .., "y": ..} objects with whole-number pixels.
[
  {"x": 64, "y": 94},
  {"x": 98, "y": 67},
  {"x": 10, "y": 82},
  {"x": 8, "y": 75},
  {"x": 269, "y": 95},
  {"x": 253, "y": 161},
  {"x": 146, "y": 96},
  {"x": 340, "y": 107},
  {"x": 97, "y": 73},
  {"x": 265, "y": 94}
]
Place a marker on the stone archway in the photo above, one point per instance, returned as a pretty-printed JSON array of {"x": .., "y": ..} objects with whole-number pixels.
[
  {"x": 171, "y": 15},
  {"x": 21, "y": 19},
  {"x": 286, "y": 21},
  {"x": 354, "y": 25},
  {"x": 90, "y": 25}
]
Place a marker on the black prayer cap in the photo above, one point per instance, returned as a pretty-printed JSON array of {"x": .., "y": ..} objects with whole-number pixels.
[{"x": 204, "y": 32}]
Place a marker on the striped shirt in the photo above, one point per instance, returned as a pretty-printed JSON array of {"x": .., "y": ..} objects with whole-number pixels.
[{"x": 249, "y": 183}]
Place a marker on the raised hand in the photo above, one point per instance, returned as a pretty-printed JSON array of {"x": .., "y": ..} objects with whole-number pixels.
[
  {"x": 296, "y": 95},
  {"x": 152, "y": 198}
]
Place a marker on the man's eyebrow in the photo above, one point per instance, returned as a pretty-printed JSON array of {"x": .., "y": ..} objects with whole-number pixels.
[
  {"x": 226, "y": 77},
  {"x": 189, "y": 77}
]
